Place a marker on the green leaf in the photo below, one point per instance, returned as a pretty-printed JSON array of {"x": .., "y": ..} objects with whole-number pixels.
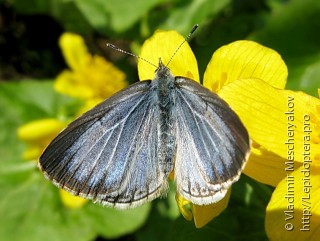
[
  {"x": 34, "y": 6},
  {"x": 21, "y": 102},
  {"x": 30, "y": 206},
  {"x": 26, "y": 100},
  {"x": 66, "y": 12},
  {"x": 242, "y": 220},
  {"x": 187, "y": 13},
  {"x": 112, "y": 223},
  {"x": 117, "y": 15},
  {"x": 291, "y": 28},
  {"x": 310, "y": 80},
  {"x": 31, "y": 210},
  {"x": 32, "y": 203},
  {"x": 291, "y": 31}
]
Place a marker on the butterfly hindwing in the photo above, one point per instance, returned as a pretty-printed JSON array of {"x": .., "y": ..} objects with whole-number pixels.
[
  {"x": 110, "y": 153},
  {"x": 212, "y": 144}
]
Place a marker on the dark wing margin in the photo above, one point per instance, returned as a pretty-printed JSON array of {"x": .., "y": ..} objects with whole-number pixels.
[
  {"x": 212, "y": 144},
  {"x": 109, "y": 154}
]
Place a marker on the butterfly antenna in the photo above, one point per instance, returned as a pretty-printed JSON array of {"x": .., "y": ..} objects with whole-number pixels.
[
  {"x": 185, "y": 40},
  {"x": 128, "y": 53}
]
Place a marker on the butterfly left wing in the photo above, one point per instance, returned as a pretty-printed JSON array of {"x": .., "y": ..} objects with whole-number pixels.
[
  {"x": 212, "y": 144},
  {"x": 109, "y": 154}
]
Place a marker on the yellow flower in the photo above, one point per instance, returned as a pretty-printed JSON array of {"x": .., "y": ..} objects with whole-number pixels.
[
  {"x": 251, "y": 78},
  {"x": 37, "y": 135},
  {"x": 163, "y": 44},
  {"x": 90, "y": 78},
  {"x": 293, "y": 212},
  {"x": 273, "y": 116},
  {"x": 70, "y": 200},
  {"x": 284, "y": 126},
  {"x": 277, "y": 123}
]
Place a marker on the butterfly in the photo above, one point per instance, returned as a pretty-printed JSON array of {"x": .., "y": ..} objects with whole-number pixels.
[{"x": 121, "y": 152}]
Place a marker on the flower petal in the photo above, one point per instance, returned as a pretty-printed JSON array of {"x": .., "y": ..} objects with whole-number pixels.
[
  {"x": 32, "y": 152},
  {"x": 70, "y": 200},
  {"x": 40, "y": 129},
  {"x": 245, "y": 59},
  {"x": 88, "y": 105},
  {"x": 164, "y": 45},
  {"x": 37, "y": 134},
  {"x": 276, "y": 119},
  {"x": 184, "y": 207},
  {"x": 204, "y": 214},
  {"x": 74, "y": 50},
  {"x": 99, "y": 79},
  {"x": 69, "y": 83},
  {"x": 265, "y": 166},
  {"x": 104, "y": 77},
  {"x": 293, "y": 212}
]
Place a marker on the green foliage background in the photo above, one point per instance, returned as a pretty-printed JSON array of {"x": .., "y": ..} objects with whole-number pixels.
[{"x": 30, "y": 208}]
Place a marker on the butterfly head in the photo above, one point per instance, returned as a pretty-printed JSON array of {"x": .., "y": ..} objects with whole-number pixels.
[{"x": 163, "y": 71}]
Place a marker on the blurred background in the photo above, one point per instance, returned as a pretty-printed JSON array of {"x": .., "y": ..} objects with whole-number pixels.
[{"x": 32, "y": 61}]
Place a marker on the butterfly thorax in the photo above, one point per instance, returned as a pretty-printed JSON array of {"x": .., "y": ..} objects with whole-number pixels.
[{"x": 164, "y": 84}]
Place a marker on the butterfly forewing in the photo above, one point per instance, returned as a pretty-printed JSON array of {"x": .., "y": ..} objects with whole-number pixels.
[
  {"x": 110, "y": 153},
  {"x": 212, "y": 144}
]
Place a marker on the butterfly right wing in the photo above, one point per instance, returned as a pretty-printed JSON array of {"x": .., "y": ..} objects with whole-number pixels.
[
  {"x": 109, "y": 154},
  {"x": 212, "y": 144}
]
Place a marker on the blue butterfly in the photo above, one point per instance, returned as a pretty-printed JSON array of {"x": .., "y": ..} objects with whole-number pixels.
[{"x": 122, "y": 151}]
